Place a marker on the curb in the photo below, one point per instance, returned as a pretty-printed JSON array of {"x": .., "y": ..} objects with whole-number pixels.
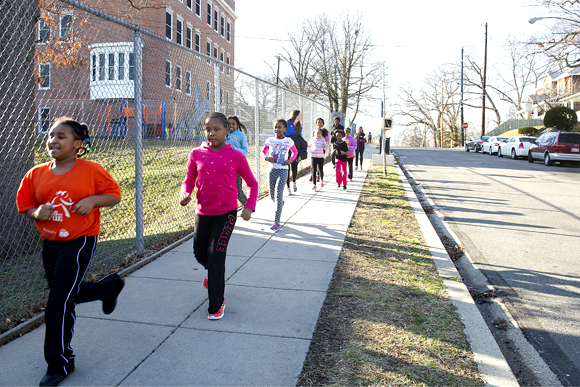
[{"x": 492, "y": 365}]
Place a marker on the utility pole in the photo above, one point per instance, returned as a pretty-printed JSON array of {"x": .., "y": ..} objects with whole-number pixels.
[
  {"x": 461, "y": 103},
  {"x": 277, "y": 88},
  {"x": 484, "y": 76},
  {"x": 383, "y": 131}
]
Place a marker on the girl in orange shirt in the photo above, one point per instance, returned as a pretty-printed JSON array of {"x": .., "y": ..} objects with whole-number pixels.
[{"x": 63, "y": 197}]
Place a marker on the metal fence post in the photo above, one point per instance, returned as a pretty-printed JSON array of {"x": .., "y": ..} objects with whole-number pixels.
[
  {"x": 257, "y": 131},
  {"x": 216, "y": 69},
  {"x": 138, "y": 131},
  {"x": 283, "y": 114}
]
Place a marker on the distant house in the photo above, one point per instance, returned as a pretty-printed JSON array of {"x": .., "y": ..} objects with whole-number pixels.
[
  {"x": 559, "y": 88},
  {"x": 93, "y": 80}
]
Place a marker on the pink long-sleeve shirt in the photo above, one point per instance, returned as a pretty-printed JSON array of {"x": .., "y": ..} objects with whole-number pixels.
[
  {"x": 214, "y": 174},
  {"x": 351, "y": 145}
]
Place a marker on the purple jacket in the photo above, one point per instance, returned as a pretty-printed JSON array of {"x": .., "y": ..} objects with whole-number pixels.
[{"x": 351, "y": 145}]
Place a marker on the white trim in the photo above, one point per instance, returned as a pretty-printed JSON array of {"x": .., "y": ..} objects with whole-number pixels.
[
  {"x": 188, "y": 75},
  {"x": 170, "y": 75},
  {"x": 40, "y": 65},
  {"x": 39, "y": 29},
  {"x": 200, "y": 10},
  {"x": 179, "y": 79},
  {"x": 228, "y": 9}
]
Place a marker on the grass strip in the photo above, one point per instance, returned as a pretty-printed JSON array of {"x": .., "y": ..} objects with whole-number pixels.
[{"x": 387, "y": 318}]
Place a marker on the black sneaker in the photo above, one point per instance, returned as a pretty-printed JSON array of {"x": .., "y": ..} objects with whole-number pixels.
[
  {"x": 109, "y": 304},
  {"x": 344, "y": 187},
  {"x": 54, "y": 380}
]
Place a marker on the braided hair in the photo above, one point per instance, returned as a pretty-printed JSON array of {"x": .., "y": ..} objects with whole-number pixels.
[
  {"x": 220, "y": 116},
  {"x": 80, "y": 132}
]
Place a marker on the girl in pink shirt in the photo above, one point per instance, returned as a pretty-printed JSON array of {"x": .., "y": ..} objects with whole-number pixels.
[{"x": 212, "y": 169}]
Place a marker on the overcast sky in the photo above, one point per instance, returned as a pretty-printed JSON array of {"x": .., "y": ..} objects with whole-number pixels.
[{"x": 412, "y": 37}]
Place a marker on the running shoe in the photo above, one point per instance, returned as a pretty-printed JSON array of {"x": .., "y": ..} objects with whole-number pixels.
[
  {"x": 356, "y": 168},
  {"x": 310, "y": 179},
  {"x": 217, "y": 315},
  {"x": 204, "y": 283},
  {"x": 318, "y": 178},
  {"x": 275, "y": 227},
  {"x": 289, "y": 192},
  {"x": 314, "y": 187},
  {"x": 344, "y": 187},
  {"x": 295, "y": 188},
  {"x": 339, "y": 186},
  {"x": 322, "y": 185}
]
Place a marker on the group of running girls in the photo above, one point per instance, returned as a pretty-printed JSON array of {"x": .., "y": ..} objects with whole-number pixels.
[{"x": 64, "y": 197}]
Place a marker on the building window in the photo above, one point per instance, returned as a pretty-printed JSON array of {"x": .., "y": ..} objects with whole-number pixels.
[
  {"x": 65, "y": 26},
  {"x": 222, "y": 60},
  {"x": 101, "y": 67},
  {"x": 168, "y": 73},
  {"x": 43, "y": 31},
  {"x": 228, "y": 61},
  {"x": 178, "y": 78},
  {"x": 131, "y": 66},
  {"x": 43, "y": 120},
  {"x": 208, "y": 52},
  {"x": 221, "y": 96},
  {"x": 121, "y": 66},
  {"x": 229, "y": 32},
  {"x": 227, "y": 97},
  {"x": 198, "y": 7},
  {"x": 188, "y": 37},
  {"x": 168, "y": 25},
  {"x": 222, "y": 26},
  {"x": 44, "y": 74},
  {"x": 111, "y": 67},
  {"x": 208, "y": 90},
  {"x": 197, "y": 42},
  {"x": 179, "y": 31},
  {"x": 93, "y": 67},
  {"x": 215, "y": 20},
  {"x": 188, "y": 82},
  {"x": 215, "y": 51},
  {"x": 209, "y": 14},
  {"x": 189, "y": 4}
]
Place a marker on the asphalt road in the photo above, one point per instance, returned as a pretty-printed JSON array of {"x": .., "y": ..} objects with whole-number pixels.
[{"x": 520, "y": 223}]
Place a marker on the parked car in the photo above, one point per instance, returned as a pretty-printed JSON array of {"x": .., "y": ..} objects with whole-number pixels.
[
  {"x": 491, "y": 145},
  {"x": 516, "y": 146},
  {"x": 474, "y": 143},
  {"x": 555, "y": 146}
]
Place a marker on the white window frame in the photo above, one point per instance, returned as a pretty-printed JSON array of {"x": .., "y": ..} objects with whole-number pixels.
[
  {"x": 223, "y": 25},
  {"x": 70, "y": 29},
  {"x": 228, "y": 62},
  {"x": 169, "y": 11},
  {"x": 216, "y": 21},
  {"x": 42, "y": 23},
  {"x": 222, "y": 96},
  {"x": 189, "y": 30},
  {"x": 227, "y": 97},
  {"x": 198, "y": 5},
  {"x": 189, "y": 4},
  {"x": 40, "y": 66},
  {"x": 208, "y": 90},
  {"x": 178, "y": 33},
  {"x": 197, "y": 45},
  {"x": 118, "y": 87},
  {"x": 41, "y": 121},
  {"x": 229, "y": 31},
  {"x": 209, "y": 10},
  {"x": 168, "y": 73},
  {"x": 178, "y": 78},
  {"x": 208, "y": 44},
  {"x": 188, "y": 82},
  {"x": 216, "y": 50},
  {"x": 222, "y": 59}
]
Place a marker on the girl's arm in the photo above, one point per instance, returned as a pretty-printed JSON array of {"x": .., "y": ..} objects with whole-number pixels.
[
  {"x": 244, "y": 144},
  {"x": 293, "y": 155},
  {"x": 247, "y": 175},
  {"x": 189, "y": 182},
  {"x": 265, "y": 152},
  {"x": 86, "y": 205},
  {"x": 325, "y": 145}
]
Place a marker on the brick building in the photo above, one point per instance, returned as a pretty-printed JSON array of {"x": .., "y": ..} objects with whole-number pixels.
[{"x": 86, "y": 65}]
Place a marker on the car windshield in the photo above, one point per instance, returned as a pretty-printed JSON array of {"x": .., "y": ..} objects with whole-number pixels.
[
  {"x": 527, "y": 139},
  {"x": 502, "y": 138},
  {"x": 485, "y": 138},
  {"x": 569, "y": 138}
]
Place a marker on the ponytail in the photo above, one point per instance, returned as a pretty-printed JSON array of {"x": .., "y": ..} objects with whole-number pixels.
[{"x": 80, "y": 132}]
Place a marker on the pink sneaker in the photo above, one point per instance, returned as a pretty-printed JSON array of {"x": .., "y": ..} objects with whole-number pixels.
[
  {"x": 314, "y": 187},
  {"x": 204, "y": 283},
  {"x": 217, "y": 315},
  {"x": 322, "y": 185}
]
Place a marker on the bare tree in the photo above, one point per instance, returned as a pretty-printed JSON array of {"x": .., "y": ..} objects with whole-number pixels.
[
  {"x": 473, "y": 79},
  {"x": 562, "y": 41},
  {"x": 330, "y": 58}
]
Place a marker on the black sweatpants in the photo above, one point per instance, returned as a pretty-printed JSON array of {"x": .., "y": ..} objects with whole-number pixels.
[
  {"x": 349, "y": 161},
  {"x": 317, "y": 166},
  {"x": 65, "y": 264},
  {"x": 210, "y": 243},
  {"x": 294, "y": 169},
  {"x": 358, "y": 154}
]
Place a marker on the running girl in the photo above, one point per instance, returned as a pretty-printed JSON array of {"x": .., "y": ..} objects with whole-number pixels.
[
  {"x": 63, "y": 197},
  {"x": 239, "y": 141},
  {"x": 318, "y": 146},
  {"x": 275, "y": 152},
  {"x": 213, "y": 168},
  {"x": 341, "y": 154}
]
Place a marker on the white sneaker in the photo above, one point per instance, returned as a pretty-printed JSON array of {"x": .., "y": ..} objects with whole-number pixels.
[{"x": 295, "y": 188}]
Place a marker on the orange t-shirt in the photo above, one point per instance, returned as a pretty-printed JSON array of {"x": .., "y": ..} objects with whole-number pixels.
[{"x": 41, "y": 186}]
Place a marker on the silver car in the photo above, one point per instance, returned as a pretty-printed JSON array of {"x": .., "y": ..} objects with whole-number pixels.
[{"x": 516, "y": 146}]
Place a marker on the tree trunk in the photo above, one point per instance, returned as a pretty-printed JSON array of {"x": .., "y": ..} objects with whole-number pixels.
[{"x": 17, "y": 116}]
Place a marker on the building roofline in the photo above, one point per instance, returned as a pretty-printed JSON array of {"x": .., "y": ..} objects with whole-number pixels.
[{"x": 228, "y": 9}]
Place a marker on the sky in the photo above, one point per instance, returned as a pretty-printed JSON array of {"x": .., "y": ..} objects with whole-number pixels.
[{"x": 412, "y": 37}]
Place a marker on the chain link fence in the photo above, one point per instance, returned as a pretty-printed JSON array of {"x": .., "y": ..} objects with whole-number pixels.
[{"x": 145, "y": 99}]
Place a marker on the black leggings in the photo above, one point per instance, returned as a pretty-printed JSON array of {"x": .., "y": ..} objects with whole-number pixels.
[
  {"x": 349, "y": 161},
  {"x": 65, "y": 264},
  {"x": 317, "y": 166},
  {"x": 210, "y": 243},
  {"x": 294, "y": 168},
  {"x": 358, "y": 154}
]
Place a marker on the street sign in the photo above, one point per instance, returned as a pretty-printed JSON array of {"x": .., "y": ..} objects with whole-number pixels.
[{"x": 465, "y": 125}]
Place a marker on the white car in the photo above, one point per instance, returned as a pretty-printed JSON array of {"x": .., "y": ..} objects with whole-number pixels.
[
  {"x": 492, "y": 144},
  {"x": 516, "y": 146}
]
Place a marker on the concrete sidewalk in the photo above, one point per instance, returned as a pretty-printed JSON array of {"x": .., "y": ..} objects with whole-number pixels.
[{"x": 160, "y": 335}]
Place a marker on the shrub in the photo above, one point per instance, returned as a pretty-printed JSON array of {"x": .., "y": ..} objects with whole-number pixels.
[
  {"x": 560, "y": 118},
  {"x": 527, "y": 130}
]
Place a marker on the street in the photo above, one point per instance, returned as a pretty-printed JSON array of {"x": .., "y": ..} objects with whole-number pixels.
[{"x": 520, "y": 223}]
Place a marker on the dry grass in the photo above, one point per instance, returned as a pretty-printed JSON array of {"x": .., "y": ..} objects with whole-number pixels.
[{"x": 387, "y": 319}]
